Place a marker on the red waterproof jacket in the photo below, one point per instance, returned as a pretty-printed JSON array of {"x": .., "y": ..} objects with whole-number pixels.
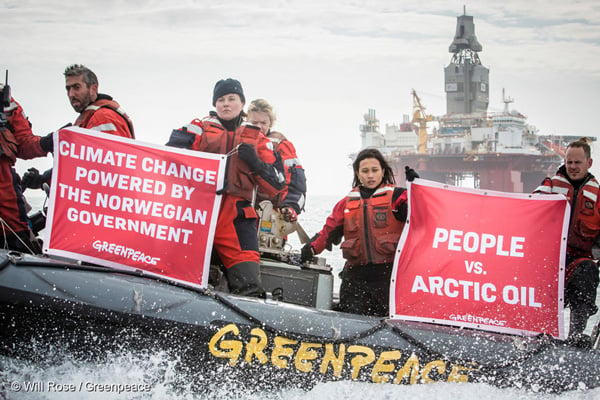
[
  {"x": 106, "y": 115},
  {"x": 208, "y": 134},
  {"x": 18, "y": 140},
  {"x": 584, "y": 225},
  {"x": 371, "y": 230}
]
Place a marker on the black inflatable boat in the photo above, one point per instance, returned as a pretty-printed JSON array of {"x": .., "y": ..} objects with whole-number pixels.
[{"x": 89, "y": 310}]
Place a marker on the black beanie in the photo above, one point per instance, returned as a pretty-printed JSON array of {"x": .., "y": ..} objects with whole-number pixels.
[{"x": 226, "y": 86}]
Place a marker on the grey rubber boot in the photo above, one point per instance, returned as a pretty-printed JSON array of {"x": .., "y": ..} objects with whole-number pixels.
[
  {"x": 577, "y": 321},
  {"x": 244, "y": 279}
]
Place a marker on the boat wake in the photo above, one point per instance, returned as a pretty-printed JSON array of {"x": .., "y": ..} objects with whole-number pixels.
[{"x": 158, "y": 375}]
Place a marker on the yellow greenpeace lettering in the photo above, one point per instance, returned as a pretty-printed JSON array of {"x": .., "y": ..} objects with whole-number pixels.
[
  {"x": 409, "y": 369},
  {"x": 437, "y": 364},
  {"x": 227, "y": 348},
  {"x": 256, "y": 347},
  {"x": 361, "y": 360},
  {"x": 281, "y": 351},
  {"x": 459, "y": 373},
  {"x": 383, "y": 366},
  {"x": 305, "y": 355},
  {"x": 336, "y": 361}
]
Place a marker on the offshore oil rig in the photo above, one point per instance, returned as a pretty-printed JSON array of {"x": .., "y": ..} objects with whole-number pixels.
[{"x": 468, "y": 146}]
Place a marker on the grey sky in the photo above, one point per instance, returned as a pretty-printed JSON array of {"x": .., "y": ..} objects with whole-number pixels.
[{"x": 321, "y": 64}]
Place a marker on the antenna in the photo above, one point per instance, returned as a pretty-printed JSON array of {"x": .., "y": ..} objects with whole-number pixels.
[
  {"x": 5, "y": 94},
  {"x": 4, "y": 102},
  {"x": 506, "y": 100}
]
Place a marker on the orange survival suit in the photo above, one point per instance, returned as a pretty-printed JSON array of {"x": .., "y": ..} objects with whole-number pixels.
[
  {"x": 371, "y": 222},
  {"x": 584, "y": 226},
  {"x": 106, "y": 115},
  {"x": 293, "y": 194},
  {"x": 16, "y": 140},
  {"x": 236, "y": 240}
]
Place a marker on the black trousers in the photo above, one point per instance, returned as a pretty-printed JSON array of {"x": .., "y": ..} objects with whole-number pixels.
[
  {"x": 580, "y": 293},
  {"x": 365, "y": 289}
]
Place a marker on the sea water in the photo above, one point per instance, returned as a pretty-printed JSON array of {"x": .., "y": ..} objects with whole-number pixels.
[{"x": 134, "y": 375}]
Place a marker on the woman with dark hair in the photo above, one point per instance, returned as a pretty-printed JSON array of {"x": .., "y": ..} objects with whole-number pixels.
[{"x": 370, "y": 218}]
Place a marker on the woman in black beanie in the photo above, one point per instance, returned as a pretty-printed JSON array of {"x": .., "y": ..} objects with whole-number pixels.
[{"x": 251, "y": 164}]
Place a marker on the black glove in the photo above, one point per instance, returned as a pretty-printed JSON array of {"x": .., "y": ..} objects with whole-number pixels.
[
  {"x": 47, "y": 143},
  {"x": 247, "y": 153},
  {"x": 181, "y": 138},
  {"x": 307, "y": 253},
  {"x": 32, "y": 179},
  {"x": 411, "y": 174}
]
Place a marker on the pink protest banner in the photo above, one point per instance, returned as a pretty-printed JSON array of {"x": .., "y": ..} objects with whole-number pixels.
[
  {"x": 126, "y": 204},
  {"x": 482, "y": 259}
]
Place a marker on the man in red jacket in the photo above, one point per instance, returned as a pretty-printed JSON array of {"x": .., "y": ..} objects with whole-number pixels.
[
  {"x": 581, "y": 188},
  {"x": 97, "y": 111},
  {"x": 16, "y": 141}
]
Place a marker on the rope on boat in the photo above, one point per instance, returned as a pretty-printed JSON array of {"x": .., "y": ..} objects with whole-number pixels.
[
  {"x": 207, "y": 292},
  {"x": 546, "y": 341},
  {"x": 295, "y": 335},
  {"x": 6, "y": 227}
]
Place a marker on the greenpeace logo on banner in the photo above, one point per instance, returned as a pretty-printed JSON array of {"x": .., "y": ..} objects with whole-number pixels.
[
  {"x": 482, "y": 259},
  {"x": 477, "y": 320},
  {"x": 124, "y": 251},
  {"x": 126, "y": 204}
]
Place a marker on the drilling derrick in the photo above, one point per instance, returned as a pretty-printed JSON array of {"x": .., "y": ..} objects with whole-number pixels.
[
  {"x": 466, "y": 79},
  {"x": 468, "y": 145}
]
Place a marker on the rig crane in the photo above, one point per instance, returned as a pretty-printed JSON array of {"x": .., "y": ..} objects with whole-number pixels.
[{"x": 420, "y": 120}]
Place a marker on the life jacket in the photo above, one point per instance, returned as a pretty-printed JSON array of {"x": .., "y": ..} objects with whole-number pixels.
[
  {"x": 585, "y": 217},
  {"x": 88, "y": 112},
  {"x": 371, "y": 232},
  {"x": 276, "y": 138},
  {"x": 215, "y": 139},
  {"x": 8, "y": 145}
]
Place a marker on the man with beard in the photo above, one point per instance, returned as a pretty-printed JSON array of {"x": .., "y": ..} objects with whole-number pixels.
[
  {"x": 97, "y": 111},
  {"x": 581, "y": 188}
]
